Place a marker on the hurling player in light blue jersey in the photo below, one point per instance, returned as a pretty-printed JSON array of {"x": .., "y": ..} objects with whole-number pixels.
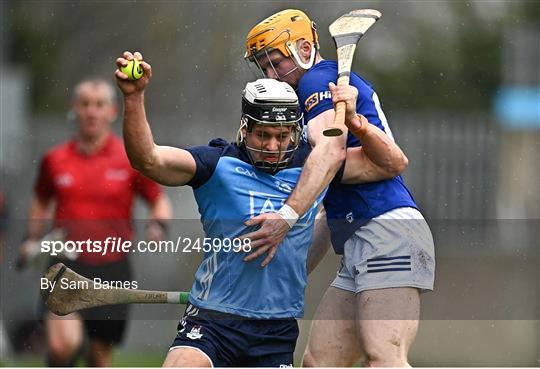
[
  {"x": 239, "y": 313},
  {"x": 371, "y": 310}
]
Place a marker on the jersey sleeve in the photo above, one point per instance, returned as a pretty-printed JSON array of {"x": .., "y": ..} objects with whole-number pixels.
[
  {"x": 316, "y": 98},
  {"x": 44, "y": 187},
  {"x": 146, "y": 188},
  {"x": 206, "y": 159},
  {"x": 314, "y": 93},
  {"x": 368, "y": 104}
]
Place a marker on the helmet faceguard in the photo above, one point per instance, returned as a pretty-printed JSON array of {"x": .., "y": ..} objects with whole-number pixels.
[
  {"x": 281, "y": 31},
  {"x": 270, "y": 103}
]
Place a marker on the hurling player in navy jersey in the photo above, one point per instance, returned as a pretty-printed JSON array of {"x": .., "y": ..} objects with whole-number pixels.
[
  {"x": 371, "y": 310},
  {"x": 240, "y": 314}
]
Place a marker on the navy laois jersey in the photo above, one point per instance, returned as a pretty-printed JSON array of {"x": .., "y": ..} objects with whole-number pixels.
[
  {"x": 351, "y": 206},
  {"x": 229, "y": 190}
]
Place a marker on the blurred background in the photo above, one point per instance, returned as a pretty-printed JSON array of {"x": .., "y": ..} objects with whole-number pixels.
[{"x": 460, "y": 85}]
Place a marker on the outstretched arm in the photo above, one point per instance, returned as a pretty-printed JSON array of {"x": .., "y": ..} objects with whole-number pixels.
[{"x": 166, "y": 165}]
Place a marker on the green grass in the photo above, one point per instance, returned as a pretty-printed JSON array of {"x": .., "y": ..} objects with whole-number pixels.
[{"x": 147, "y": 359}]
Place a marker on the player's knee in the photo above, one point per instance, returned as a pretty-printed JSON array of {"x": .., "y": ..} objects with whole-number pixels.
[
  {"x": 384, "y": 345},
  {"x": 373, "y": 355},
  {"x": 386, "y": 363},
  {"x": 384, "y": 355},
  {"x": 61, "y": 352},
  {"x": 308, "y": 360},
  {"x": 63, "y": 346}
]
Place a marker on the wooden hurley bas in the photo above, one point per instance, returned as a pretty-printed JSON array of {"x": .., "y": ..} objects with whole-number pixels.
[
  {"x": 346, "y": 32},
  {"x": 67, "y": 292}
]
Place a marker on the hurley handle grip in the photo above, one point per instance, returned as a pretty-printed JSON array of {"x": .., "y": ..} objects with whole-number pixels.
[
  {"x": 345, "y": 57},
  {"x": 338, "y": 127}
]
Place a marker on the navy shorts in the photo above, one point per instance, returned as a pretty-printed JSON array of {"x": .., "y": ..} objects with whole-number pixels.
[{"x": 231, "y": 340}]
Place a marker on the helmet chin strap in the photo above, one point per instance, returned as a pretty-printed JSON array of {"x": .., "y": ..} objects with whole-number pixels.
[
  {"x": 309, "y": 64},
  {"x": 240, "y": 134}
]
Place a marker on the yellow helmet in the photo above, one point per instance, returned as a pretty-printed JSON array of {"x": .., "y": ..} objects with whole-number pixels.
[{"x": 280, "y": 31}]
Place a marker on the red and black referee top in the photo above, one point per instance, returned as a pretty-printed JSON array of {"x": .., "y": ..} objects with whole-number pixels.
[{"x": 94, "y": 193}]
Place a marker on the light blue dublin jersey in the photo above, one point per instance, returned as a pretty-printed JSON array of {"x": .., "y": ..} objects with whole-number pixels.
[{"x": 229, "y": 191}]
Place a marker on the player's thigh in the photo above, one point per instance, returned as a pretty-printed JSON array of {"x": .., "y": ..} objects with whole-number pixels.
[
  {"x": 393, "y": 250},
  {"x": 387, "y": 321},
  {"x": 332, "y": 339},
  {"x": 63, "y": 332},
  {"x": 181, "y": 357}
]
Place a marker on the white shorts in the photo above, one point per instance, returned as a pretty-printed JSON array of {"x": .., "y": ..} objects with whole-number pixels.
[{"x": 394, "y": 249}]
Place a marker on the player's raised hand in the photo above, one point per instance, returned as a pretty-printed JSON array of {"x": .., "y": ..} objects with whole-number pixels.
[
  {"x": 345, "y": 93},
  {"x": 356, "y": 123},
  {"x": 129, "y": 83},
  {"x": 272, "y": 232}
]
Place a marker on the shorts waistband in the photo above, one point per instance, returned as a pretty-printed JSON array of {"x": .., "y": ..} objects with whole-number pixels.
[{"x": 193, "y": 312}]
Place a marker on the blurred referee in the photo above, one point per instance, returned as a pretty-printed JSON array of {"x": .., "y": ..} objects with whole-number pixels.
[{"x": 91, "y": 187}]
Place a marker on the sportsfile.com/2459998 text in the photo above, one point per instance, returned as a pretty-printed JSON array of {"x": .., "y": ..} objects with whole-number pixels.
[{"x": 117, "y": 244}]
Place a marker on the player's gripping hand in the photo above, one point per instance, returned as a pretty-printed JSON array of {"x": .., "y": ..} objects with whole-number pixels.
[
  {"x": 27, "y": 251},
  {"x": 356, "y": 123},
  {"x": 272, "y": 232},
  {"x": 126, "y": 85}
]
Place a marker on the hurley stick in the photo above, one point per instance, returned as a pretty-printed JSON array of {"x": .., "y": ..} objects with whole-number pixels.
[
  {"x": 63, "y": 301},
  {"x": 346, "y": 32}
]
